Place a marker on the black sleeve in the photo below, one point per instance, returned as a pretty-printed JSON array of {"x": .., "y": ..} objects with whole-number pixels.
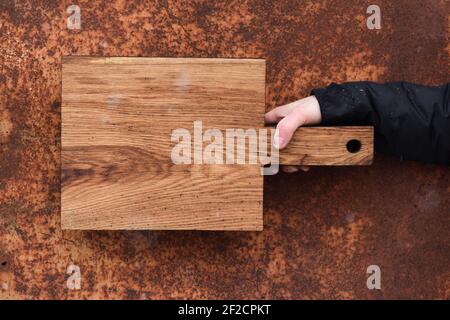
[{"x": 411, "y": 121}]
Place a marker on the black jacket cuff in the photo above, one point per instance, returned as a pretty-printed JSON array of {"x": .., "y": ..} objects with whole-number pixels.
[{"x": 337, "y": 106}]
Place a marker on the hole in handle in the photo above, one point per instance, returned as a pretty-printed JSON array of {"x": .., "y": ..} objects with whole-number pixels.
[{"x": 353, "y": 146}]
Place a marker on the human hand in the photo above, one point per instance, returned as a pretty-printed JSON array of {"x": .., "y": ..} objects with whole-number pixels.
[{"x": 290, "y": 117}]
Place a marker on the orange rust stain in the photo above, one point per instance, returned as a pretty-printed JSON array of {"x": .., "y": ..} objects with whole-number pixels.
[{"x": 322, "y": 228}]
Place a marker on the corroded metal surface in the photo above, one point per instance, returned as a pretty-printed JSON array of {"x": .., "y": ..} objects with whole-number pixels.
[{"x": 322, "y": 228}]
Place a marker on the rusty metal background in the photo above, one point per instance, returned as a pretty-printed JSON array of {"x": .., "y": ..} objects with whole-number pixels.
[{"x": 322, "y": 228}]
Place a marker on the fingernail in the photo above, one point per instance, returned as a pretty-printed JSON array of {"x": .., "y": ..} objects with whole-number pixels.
[
  {"x": 277, "y": 140},
  {"x": 290, "y": 169}
]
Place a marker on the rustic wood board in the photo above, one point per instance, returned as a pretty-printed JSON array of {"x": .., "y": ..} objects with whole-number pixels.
[
  {"x": 118, "y": 115},
  {"x": 117, "y": 119},
  {"x": 329, "y": 146}
]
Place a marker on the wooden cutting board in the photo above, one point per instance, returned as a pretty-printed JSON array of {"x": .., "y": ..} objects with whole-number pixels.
[{"x": 118, "y": 118}]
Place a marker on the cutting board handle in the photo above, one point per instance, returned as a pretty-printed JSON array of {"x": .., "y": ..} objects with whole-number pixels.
[{"x": 329, "y": 146}]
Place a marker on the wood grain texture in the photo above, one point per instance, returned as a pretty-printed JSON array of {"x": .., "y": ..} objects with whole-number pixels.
[
  {"x": 117, "y": 119},
  {"x": 329, "y": 146}
]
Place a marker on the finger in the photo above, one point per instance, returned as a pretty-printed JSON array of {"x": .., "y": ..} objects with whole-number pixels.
[
  {"x": 289, "y": 169},
  {"x": 287, "y": 126},
  {"x": 279, "y": 113},
  {"x": 305, "y": 168}
]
